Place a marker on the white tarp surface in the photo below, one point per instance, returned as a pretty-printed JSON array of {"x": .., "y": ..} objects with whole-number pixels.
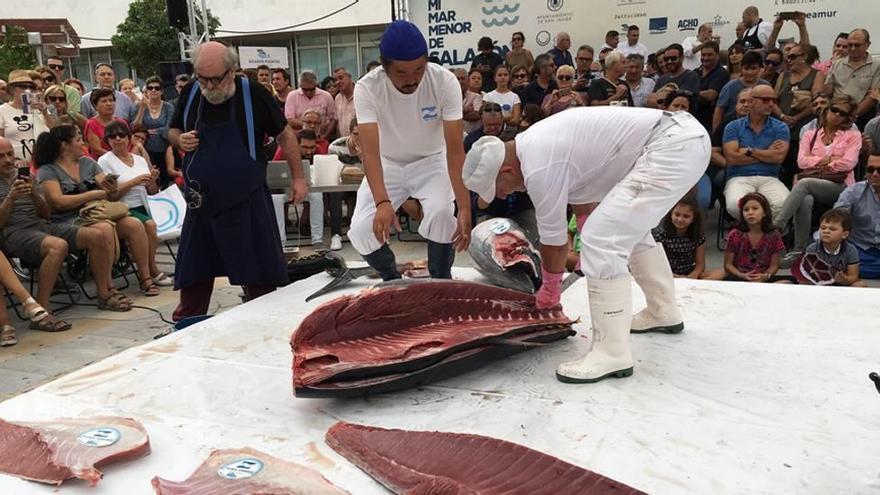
[{"x": 766, "y": 391}]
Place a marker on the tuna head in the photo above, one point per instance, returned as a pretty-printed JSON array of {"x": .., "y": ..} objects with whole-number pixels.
[{"x": 503, "y": 254}]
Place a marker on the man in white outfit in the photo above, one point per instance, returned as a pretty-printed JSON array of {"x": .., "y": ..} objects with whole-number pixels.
[
  {"x": 409, "y": 116},
  {"x": 638, "y": 162}
]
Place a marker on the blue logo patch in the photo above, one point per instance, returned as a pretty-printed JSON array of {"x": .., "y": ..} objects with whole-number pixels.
[
  {"x": 658, "y": 25},
  {"x": 429, "y": 114}
]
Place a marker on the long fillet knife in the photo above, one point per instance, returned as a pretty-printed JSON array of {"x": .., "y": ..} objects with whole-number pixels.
[{"x": 570, "y": 280}]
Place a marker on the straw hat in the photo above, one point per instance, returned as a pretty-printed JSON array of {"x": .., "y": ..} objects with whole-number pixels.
[{"x": 19, "y": 76}]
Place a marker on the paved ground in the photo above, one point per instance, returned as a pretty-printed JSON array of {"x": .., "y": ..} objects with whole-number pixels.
[{"x": 40, "y": 357}]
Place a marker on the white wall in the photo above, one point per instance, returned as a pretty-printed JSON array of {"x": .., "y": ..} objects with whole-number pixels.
[
  {"x": 98, "y": 19},
  {"x": 588, "y": 20}
]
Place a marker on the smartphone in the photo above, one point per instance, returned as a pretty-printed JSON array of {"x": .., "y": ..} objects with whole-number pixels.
[
  {"x": 24, "y": 172},
  {"x": 788, "y": 16},
  {"x": 112, "y": 177}
]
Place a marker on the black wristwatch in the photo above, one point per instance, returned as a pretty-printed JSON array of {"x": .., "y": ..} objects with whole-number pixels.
[{"x": 749, "y": 152}]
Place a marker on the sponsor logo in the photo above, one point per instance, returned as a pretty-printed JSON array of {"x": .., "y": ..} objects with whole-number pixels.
[
  {"x": 241, "y": 469},
  {"x": 658, "y": 25},
  {"x": 542, "y": 38},
  {"x": 794, "y": 2},
  {"x": 719, "y": 21},
  {"x": 819, "y": 14},
  {"x": 553, "y": 5},
  {"x": 688, "y": 24},
  {"x": 505, "y": 15},
  {"x": 618, "y": 17},
  {"x": 429, "y": 114}
]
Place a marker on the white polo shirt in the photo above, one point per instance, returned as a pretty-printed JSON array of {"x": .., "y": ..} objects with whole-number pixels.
[
  {"x": 410, "y": 125},
  {"x": 577, "y": 157}
]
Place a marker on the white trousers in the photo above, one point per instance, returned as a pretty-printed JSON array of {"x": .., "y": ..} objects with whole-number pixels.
[
  {"x": 671, "y": 163},
  {"x": 426, "y": 180},
  {"x": 770, "y": 187}
]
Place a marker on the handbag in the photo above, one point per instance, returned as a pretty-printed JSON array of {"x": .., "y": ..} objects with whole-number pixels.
[
  {"x": 802, "y": 100},
  {"x": 102, "y": 210},
  {"x": 822, "y": 172}
]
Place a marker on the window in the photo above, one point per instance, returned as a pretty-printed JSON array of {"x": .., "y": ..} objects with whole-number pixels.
[
  {"x": 368, "y": 54},
  {"x": 313, "y": 59},
  {"x": 345, "y": 57}
]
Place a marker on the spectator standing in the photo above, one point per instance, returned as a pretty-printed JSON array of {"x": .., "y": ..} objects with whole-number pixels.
[
  {"x": 310, "y": 96},
  {"x": 862, "y": 200},
  {"x": 511, "y": 106},
  {"x": 105, "y": 78},
  {"x": 561, "y": 55},
  {"x": 757, "y": 31},
  {"x": 264, "y": 74},
  {"x": 583, "y": 68},
  {"x": 543, "y": 83},
  {"x": 639, "y": 87},
  {"x": 471, "y": 102},
  {"x": 103, "y": 100},
  {"x": 632, "y": 45},
  {"x": 871, "y": 137},
  {"x": 55, "y": 96},
  {"x": 856, "y": 75},
  {"x": 486, "y": 61},
  {"x": 713, "y": 77},
  {"x": 826, "y": 160},
  {"x": 685, "y": 80},
  {"x": 18, "y": 126},
  {"x": 838, "y": 51},
  {"x": 726, "y": 106},
  {"x": 74, "y": 98},
  {"x": 344, "y": 100},
  {"x": 180, "y": 81},
  {"x": 610, "y": 90},
  {"x": 795, "y": 89},
  {"x": 612, "y": 39},
  {"x": 735, "y": 54},
  {"x": 153, "y": 114},
  {"x": 772, "y": 65},
  {"x": 754, "y": 148},
  {"x": 693, "y": 46},
  {"x": 5, "y": 97},
  {"x": 281, "y": 83},
  {"x": 518, "y": 54},
  {"x": 128, "y": 88}
]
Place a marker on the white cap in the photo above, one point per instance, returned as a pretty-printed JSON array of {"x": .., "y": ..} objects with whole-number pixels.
[{"x": 481, "y": 166}]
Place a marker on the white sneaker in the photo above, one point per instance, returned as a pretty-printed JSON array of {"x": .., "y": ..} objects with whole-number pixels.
[{"x": 336, "y": 243}]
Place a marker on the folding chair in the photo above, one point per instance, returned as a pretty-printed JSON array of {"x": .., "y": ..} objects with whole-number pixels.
[{"x": 28, "y": 273}]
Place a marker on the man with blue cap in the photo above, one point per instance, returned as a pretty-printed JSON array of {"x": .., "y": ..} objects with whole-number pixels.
[
  {"x": 409, "y": 114},
  {"x": 636, "y": 163}
]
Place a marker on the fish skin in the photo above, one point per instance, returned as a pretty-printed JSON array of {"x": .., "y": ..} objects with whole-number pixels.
[{"x": 524, "y": 275}]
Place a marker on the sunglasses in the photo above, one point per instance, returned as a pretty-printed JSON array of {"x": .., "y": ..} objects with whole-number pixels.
[
  {"x": 765, "y": 99},
  {"x": 793, "y": 56},
  {"x": 48, "y": 79},
  {"x": 671, "y": 60},
  {"x": 56, "y": 66},
  {"x": 57, "y": 99},
  {"x": 215, "y": 81},
  {"x": 154, "y": 88},
  {"x": 772, "y": 63},
  {"x": 520, "y": 76},
  {"x": 564, "y": 78},
  {"x": 840, "y": 112},
  {"x": 116, "y": 136},
  {"x": 872, "y": 170},
  {"x": 24, "y": 85}
]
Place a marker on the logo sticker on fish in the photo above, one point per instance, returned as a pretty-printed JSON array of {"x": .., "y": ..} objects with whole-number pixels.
[
  {"x": 241, "y": 469},
  {"x": 504, "y": 255},
  {"x": 99, "y": 437},
  {"x": 430, "y": 113}
]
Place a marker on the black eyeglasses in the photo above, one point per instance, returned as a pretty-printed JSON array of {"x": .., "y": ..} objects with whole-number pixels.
[
  {"x": 154, "y": 88},
  {"x": 120, "y": 135},
  {"x": 564, "y": 78},
  {"x": 56, "y": 66},
  {"x": 215, "y": 81},
  {"x": 872, "y": 170},
  {"x": 520, "y": 76}
]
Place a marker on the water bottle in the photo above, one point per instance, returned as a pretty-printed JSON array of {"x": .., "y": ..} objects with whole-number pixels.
[{"x": 26, "y": 102}]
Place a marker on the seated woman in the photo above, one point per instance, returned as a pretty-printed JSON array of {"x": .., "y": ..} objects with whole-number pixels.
[
  {"x": 135, "y": 180},
  {"x": 564, "y": 96},
  {"x": 104, "y": 101},
  {"x": 39, "y": 317},
  {"x": 826, "y": 158},
  {"x": 70, "y": 180}
]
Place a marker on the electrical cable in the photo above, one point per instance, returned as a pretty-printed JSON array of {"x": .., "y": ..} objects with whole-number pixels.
[
  {"x": 161, "y": 316},
  {"x": 292, "y": 26}
]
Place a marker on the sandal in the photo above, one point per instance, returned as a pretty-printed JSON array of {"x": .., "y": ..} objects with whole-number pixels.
[
  {"x": 50, "y": 324},
  {"x": 163, "y": 280},
  {"x": 115, "y": 302},
  {"x": 36, "y": 312},
  {"x": 7, "y": 336},
  {"x": 149, "y": 287}
]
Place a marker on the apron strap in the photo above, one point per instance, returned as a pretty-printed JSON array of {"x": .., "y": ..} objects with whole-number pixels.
[
  {"x": 249, "y": 116},
  {"x": 192, "y": 94}
]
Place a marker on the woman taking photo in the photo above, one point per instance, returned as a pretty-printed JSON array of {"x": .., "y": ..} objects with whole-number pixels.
[
  {"x": 104, "y": 101},
  {"x": 826, "y": 158},
  {"x": 511, "y": 106},
  {"x": 56, "y": 99},
  {"x": 135, "y": 180},
  {"x": 70, "y": 180},
  {"x": 154, "y": 115},
  {"x": 563, "y": 97},
  {"x": 16, "y": 125}
]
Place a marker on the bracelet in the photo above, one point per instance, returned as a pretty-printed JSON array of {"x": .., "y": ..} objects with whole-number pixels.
[{"x": 383, "y": 201}]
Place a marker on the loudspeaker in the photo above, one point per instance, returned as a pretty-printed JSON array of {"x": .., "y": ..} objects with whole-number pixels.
[{"x": 178, "y": 13}]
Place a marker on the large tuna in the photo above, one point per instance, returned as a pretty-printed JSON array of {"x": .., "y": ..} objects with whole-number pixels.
[
  {"x": 404, "y": 333},
  {"x": 502, "y": 253}
]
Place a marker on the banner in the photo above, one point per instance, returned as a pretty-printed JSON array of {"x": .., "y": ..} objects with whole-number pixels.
[{"x": 255, "y": 56}]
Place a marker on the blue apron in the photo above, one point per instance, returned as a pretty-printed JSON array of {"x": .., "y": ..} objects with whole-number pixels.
[{"x": 232, "y": 232}]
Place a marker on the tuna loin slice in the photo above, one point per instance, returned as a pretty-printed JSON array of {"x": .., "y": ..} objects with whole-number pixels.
[
  {"x": 421, "y": 462},
  {"x": 401, "y": 334},
  {"x": 57, "y": 450},
  {"x": 248, "y": 471}
]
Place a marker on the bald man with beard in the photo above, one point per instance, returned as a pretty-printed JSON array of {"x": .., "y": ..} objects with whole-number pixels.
[{"x": 230, "y": 227}]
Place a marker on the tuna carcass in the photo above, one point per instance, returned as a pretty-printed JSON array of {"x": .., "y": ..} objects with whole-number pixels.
[
  {"x": 502, "y": 253},
  {"x": 57, "y": 450},
  {"x": 404, "y": 333},
  {"x": 410, "y": 462},
  {"x": 246, "y": 472}
]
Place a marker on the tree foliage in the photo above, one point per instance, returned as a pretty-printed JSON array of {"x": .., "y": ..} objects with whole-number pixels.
[
  {"x": 145, "y": 38},
  {"x": 15, "y": 53}
]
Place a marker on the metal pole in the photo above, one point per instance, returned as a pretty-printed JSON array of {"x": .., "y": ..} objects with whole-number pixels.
[{"x": 207, "y": 33}]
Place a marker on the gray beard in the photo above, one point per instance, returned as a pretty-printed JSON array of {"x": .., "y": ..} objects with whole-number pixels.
[{"x": 218, "y": 96}]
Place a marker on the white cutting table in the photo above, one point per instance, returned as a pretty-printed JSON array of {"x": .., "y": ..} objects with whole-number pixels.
[{"x": 766, "y": 391}]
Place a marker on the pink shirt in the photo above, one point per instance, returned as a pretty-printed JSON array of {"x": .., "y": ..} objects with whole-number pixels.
[
  {"x": 344, "y": 113},
  {"x": 297, "y": 103},
  {"x": 97, "y": 128},
  {"x": 846, "y": 144}
]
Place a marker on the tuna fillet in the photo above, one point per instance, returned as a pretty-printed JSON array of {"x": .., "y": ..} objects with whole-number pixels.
[
  {"x": 54, "y": 451},
  {"x": 247, "y": 472},
  {"x": 401, "y": 334},
  {"x": 422, "y": 463}
]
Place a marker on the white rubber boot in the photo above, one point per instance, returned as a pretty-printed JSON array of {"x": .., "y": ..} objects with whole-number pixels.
[
  {"x": 611, "y": 312},
  {"x": 651, "y": 271}
]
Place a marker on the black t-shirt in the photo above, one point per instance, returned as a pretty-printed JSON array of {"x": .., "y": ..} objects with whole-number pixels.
[
  {"x": 715, "y": 80},
  {"x": 534, "y": 93},
  {"x": 268, "y": 119},
  {"x": 602, "y": 89}
]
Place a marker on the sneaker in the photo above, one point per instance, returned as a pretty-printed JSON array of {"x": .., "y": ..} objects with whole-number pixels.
[
  {"x": 163, "y": 280},
  {"x": 336, "y": 242},
  {"x": 789, "y": 258}
]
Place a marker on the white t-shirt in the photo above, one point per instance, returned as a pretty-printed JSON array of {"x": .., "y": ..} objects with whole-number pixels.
[
  {"x": 111, "y": 164},
  {"x": 410, "y": 125},
  {"x": 577, "y": 157},
  {"x": 21, "y": 129},
  {"x": 691, "y": 59},
  {"x": 506, "y": 100},
  {"x": 624, "y": 48}
]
